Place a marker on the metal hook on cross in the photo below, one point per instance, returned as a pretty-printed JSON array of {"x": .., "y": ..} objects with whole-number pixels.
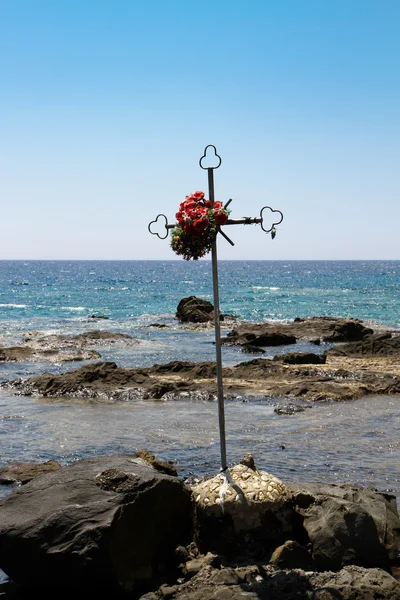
[{"x": 208, "y": 165}]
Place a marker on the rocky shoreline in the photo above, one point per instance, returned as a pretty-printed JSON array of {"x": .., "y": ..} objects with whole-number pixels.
[
  {"x": 126, "y": 526},
  {"x": 357, "y": 362}
]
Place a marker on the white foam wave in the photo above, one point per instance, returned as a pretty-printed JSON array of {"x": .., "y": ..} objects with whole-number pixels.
[{"x": 13, "y": 305}]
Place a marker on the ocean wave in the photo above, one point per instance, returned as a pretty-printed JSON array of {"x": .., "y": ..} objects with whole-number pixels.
[
  {"x": 265, "y": 287},
  {"x": 73, "y": 308},
  {"x": 11, "y": 305}
]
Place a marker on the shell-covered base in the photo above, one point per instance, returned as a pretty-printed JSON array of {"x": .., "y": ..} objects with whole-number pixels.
[{"x": 242, "y": 492}]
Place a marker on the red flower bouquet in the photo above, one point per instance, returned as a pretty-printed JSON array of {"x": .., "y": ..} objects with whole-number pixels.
[{"x": 197, "y": 226}]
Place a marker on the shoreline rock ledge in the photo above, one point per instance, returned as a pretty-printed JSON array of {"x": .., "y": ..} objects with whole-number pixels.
[{"x": 115, "y": 526}]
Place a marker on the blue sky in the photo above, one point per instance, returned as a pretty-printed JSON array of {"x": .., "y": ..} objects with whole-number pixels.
[{"x": 106, "y": 107}]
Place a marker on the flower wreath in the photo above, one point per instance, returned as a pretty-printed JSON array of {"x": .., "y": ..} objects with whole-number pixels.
[{"x": 197, "y": 226}]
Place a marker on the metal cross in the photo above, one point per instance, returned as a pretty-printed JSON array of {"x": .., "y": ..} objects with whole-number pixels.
[{"x": 242, "y": 221}]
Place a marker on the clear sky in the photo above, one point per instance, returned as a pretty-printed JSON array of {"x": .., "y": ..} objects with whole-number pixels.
[{"x": 106, "y": 107}]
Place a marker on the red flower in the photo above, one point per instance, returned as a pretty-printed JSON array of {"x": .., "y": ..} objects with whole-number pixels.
[
  {"x": 221, "y": 217},
  {"x": 198, "y": 195},
  {"x": 201, "y": 225},
  {"x": 217, "y": 205}
]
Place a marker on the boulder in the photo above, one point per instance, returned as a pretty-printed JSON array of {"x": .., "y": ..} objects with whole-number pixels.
[
  {"x": 347, "y": 524},
  {"x": 100, "y": 526},
  {"x": 292, "y": 555},
  {"x": 194, "y": 310}
]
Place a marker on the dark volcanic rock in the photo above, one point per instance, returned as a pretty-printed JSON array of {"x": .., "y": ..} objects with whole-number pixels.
[
  {"x": 263, "y": 338},
  {"x": 372, "y": 345},
  {"x": 194, "y": 310},
  {"x": 301, "y": 358},
  {"x": 101, "y": 526},
  {"x": 347, "y": 524},
  {"x": 91, "y": 379},
  {"x": 327, "y": 329}
]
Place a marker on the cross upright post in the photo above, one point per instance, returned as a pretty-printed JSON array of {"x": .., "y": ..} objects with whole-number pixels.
[
  {"x": 214, "y": 259},
  {"x": 217, "y": 327}
]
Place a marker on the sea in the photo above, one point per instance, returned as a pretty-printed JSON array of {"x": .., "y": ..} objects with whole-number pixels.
[{"x": 354, "y": 441}]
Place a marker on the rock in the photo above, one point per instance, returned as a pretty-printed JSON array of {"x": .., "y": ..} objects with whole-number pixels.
[
  {"x": 355, "y": 583},
  {"x": 160, "y": 465},
  {"x": 97, "y": 317},
  {"x": 291, "y": 555},
  {"x": 81, "y": 340},
  {"x": 301, "y": 358},
  {"x": 372, "y": 345},
  {"x": 252, "y": 583},
  {"x": 23, "y": 472},
  {"x": 265, "y": 338},
  {"x": 194, "y": 310},
  {"x": 290, "y": 409},
  {"x": 193, "y": 566},
  {"x": 348, "y": 525},
  {"x": 180, "y": 379},
  {"x": 90, "y": 380},
  {"x": 252, "y": 349},
  {"x": 103, "y": 525},
  {"x": 29, "y": 354},
  {"x": 327, "y": 329},
  {"x": 241, "y": 510},
  {"x": 248, "y": 461}
]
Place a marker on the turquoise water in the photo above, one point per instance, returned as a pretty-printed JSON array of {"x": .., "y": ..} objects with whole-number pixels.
[{"x": 134, "y": 291}]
